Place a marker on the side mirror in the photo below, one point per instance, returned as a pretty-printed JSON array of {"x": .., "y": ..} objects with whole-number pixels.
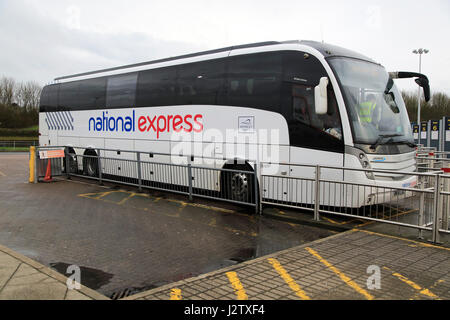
[
  {"x": 421, "y": 80},
  {"x": 424, "y": 83},
  {"x": 321, "y": 96}
]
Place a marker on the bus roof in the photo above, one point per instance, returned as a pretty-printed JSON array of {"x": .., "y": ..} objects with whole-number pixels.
[{"x": 327, "y": 50}]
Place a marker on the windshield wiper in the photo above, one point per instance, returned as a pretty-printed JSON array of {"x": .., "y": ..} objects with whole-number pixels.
[
  {"x": 409, "y": 144},
  {"x": 382, "y": 137}
]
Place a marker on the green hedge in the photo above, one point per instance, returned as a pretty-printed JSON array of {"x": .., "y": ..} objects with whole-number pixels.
[{"x": 18, "y": 133}]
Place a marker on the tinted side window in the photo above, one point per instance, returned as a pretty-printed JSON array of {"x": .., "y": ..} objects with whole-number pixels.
[
  {"x": 49, "y": 98},
  {"x": 92, "y": 94},
  {"x": 68, "y": 95},
  {"x": 201, "y": 82},
  {"x": 121, "y": 91},
  {"x": 255, "y": 81},
  {"x": 86, "y": 94},
  {"x": 156, "y": 87}
]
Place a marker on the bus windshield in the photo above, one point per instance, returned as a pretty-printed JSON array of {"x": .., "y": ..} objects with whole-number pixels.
[{"x": 375, "y": 108}]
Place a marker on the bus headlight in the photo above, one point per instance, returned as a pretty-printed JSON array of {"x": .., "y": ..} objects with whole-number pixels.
[
  {"x": 365, "y": 163},
  {"x": 362, "y": 157}
]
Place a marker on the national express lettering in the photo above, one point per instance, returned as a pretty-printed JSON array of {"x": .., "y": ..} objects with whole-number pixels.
[{"x": 151, "y": 123}]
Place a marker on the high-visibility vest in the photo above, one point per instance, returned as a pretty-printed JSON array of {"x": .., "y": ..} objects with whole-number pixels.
[{"x": 365, "y": 111}]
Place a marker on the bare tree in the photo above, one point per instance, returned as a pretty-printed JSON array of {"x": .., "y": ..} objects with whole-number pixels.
[
  {"x": 7, "y": 90},
  {"x": 28, "y": 95}
]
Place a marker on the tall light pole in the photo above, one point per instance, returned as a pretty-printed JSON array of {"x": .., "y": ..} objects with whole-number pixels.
[{"x": 420, "y": 52}]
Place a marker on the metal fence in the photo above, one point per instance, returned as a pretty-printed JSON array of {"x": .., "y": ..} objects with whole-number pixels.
[
  {"x": 15, "y": 145},
  {"x": 422, "y": 204},
  {"x": 154, "y": 171},
  {"x": 418, "y": 204}
]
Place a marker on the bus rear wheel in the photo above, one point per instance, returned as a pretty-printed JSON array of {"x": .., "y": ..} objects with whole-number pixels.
[{"x": 90, "y": 164}]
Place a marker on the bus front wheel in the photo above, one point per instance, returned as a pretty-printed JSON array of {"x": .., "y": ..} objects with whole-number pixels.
[
  {"x": 238, "y": 186},
  {"x": 72, "y": 162}
]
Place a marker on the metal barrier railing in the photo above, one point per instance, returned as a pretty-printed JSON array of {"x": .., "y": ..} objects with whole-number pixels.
[
  {"x": 413, "y": 207},
  {"x": 13, "y": 145},
  {"x": 144, "y": 170},
  {"x": 423, "y": 204}
]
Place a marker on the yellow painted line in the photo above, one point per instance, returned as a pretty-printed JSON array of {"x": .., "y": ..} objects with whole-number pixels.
[
  {"x": 432, "y": 287},
  {"x": 2, "y": 174},
  {"x": 341, "y": 275},
  {"x": 87, "y": 194},
  {"x": 330, "y": 220},
  {"x": 237, "y": 286},
  {"x": 104, "y": 194},
  {"x": 175, "y": 294},
  {"x": 404, "y": 239},
  {"x": 204, "y": 206},
  {"x": 394, "y": 216},
  {"x": 183, "y": 204},
  {"x": 287, "y": 278},
  {"x": 131, "y": 195},
  {"x": 413, "y": 284}
]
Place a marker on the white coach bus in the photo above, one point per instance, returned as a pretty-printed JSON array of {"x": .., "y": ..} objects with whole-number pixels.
[{"x": 295, "y": 102}]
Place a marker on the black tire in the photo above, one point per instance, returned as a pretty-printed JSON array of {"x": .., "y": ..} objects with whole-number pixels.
[
  {"x": 73, "y": 162},
  {"x": 238, "y": 186},
  {"x": 90, "y": 164}
]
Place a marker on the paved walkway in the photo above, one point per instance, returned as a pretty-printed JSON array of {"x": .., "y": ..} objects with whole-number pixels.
[
  {"x": 24, "y": 279},
  {"x": 344, "y": 266}
]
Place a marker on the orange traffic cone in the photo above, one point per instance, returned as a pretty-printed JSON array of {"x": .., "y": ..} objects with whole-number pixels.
[{"x": 48, "y": 174}]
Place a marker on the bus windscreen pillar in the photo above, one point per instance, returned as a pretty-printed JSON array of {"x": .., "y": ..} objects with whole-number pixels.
[
  {"x": 424, "y": 133},
  {"x": 434, "y": 134}
]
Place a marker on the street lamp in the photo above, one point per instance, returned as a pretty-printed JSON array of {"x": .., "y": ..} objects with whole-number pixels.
[{"x": 420, "y": 52}]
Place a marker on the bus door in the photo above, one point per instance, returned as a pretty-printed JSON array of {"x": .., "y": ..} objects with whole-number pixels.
[{"x": 315, "y": 140}]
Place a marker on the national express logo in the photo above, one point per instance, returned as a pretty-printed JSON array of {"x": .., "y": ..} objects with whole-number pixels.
[{"x": 150, "y": 124}]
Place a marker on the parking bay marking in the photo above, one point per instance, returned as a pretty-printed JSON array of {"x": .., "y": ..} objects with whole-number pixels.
[
  {"x": 175, "y": 294},
  {"x": 237, "y": 286},
  {"x": 341, "y": 275},
  {"x": 412, "y": 284},
  {"x": 287, "y": 278},
  {"x": 129, "y": 195},
  {"x": 400, "y": 238}
]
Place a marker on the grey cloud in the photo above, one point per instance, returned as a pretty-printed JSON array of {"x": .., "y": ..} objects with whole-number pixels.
[{"x": 38, "y": 48}]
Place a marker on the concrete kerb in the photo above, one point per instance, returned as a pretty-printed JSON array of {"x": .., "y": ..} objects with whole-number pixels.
[
  {"x": 311, "y": 223},
  {"x": 51, "y": 273},
  {"x": 233, "y": 267}
]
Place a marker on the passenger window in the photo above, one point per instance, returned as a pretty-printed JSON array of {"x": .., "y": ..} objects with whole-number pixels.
[
  {"x": 92, "y": 93},
  {"x": 200, "y": 82},
  {"x": 68, "y": 95},
  {"x": 255, "y": 81},
  {"x": 157, "y": 87},
  {"x": 121, "y": 91},
  {"x": 49, "y": 98}
]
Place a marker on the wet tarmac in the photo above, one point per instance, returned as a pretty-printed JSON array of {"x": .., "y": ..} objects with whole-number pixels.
[{"x": 126, "y": 242}]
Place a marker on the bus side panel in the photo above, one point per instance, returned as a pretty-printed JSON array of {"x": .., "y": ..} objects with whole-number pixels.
[
  {"x": 43, "y": 129},
  {"x": 275, "y": 188},
  {"x": 154, "y": 166},
  {"x": 303, "y": 188}
]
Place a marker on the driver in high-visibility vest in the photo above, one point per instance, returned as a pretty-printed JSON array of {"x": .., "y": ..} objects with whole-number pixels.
[{"x": 366, "y": 109}]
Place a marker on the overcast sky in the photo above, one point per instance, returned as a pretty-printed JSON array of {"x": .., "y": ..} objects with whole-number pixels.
[{"x": 43, "y": 39}]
